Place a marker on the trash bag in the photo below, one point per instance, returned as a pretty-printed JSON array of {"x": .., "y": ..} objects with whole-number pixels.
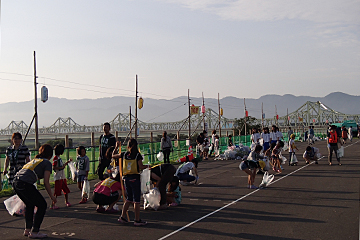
[
  {"x": 267, "y": 164},
  {"x": 5, "y": 182},
  {"x": 267, "y": 179},
  {"x": 72, "y": 170},
  {"x": 86, "y": 189},
  {"x": 286, "y": 147},
  {"x": 340, "y": 152},
  {"x": 293, "y": 159},
  {"x": 252, "y": 146},
  {"x": 160, "y": 156},
  {"x": 152, "y": 199},
  {"x": 282, "y": 159},
  {"x": 145, "y": 181},
  {"x": 15, "y": 205}
]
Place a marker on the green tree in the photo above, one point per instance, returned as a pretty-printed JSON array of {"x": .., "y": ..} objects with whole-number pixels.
[{"x": 239, "y": 125}]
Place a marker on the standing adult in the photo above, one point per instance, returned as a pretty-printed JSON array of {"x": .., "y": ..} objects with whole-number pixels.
[
  {"x": 161, "y": 175},
  {"x": 17, "y": 155},
  {"x": 213, "y": 134},
  {"x": 24, "y": 180},
  {"x": 350, "y": 134},
  {"x": 344, "y": 135},
  {"x": 332, "y": 143},
  {"x": 311, "y": 135},
  {"x": 166, "y": 147},
  {"x": 200, "y": 143},
  {"x": 106, "y": 140},
  {"x": 289, "y": 134}
]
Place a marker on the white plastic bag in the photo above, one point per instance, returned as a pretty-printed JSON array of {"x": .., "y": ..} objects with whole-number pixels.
[
  {"x": 252, "y": 146},
  {"x": 160, "y": 156},
  {"x": 145, "y": 181},
  {"x": 282, "y": 159},
  {"x": 267, "y": 179},
  {"x": 86, "y": 189},
  {"x": 293, "y": 159},
  {"x": 15, "y": 205},
  {"x": 285, "y": 148},
  {"x": 267, "y": 164},
  {"x": 72, "y": 170},
  {"x": 152, "y": 199},
  {"x": 340, "y": 152}
]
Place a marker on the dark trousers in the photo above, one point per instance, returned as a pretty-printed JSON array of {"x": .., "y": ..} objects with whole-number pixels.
[
  {"x": 31, "y": 197},
  {"x": 165, "y": 179},
  {"x": 100, "y": 170},
  {"x": 331, "y": 149},
  {"x": 166, "y": 153}
]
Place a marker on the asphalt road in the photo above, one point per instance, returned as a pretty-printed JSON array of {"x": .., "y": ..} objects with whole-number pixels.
[{"x": 303, "y": 202}]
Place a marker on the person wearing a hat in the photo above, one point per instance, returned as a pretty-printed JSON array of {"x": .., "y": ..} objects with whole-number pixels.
[
  {"x": 292, "y": 148},
  {"x": 251, "y": 164}
]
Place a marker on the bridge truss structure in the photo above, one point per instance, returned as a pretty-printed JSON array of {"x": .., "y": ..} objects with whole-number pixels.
[
  {"x": 310, "y": 113},
  {"x": 122, "y": 123}
]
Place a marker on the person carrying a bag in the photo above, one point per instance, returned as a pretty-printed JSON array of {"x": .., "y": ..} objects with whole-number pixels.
[{"x": 332, "y": 143}]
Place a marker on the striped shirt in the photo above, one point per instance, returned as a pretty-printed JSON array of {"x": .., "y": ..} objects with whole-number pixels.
[{"x": 17, "y": 159}]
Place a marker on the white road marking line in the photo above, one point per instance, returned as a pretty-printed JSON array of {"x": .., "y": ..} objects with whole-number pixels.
[{"x": 237, "y": 200}]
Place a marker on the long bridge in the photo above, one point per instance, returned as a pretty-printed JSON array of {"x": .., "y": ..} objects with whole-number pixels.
[{"x": 310, "y": 113}]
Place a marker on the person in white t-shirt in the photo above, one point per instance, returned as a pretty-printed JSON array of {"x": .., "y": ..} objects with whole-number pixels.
[
  {"x": 183, "y": 172},
  {"x": 265, "y": 135},
  {"x": 216, "y": 146},
  {"x": 279, "y": 134},
  {"x": 59, "y": 176},
  {"x": 350, "y": 133},
  {"x": 212, "y": 143},
  {"x": 255, "y": 136},
  {"x": 273, "y": 136},
  {"x": 292, "y": 148}
]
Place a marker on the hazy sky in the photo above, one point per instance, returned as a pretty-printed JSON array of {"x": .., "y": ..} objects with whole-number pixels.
[{"x": 241, "y": 48}]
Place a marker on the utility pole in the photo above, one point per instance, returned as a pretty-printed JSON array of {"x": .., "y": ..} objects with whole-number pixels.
[
  {"x": 276, "y": 117},
  {"x": 35, "y": 99},
  {"x": 136, "y": 101},
  {"x": 130, "y": 126},
  {"x": 262, "y": 115},
  {"x": 287, "y": 116},
  {"x": 189, "y": 115},
  {"x": 204, "y": 111},
  {"x": 245, "y": 115},
  {"x": 219, "y": 115}
]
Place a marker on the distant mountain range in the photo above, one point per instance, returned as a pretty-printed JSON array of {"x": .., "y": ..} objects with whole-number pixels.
[{"x": 98, "y": 111}]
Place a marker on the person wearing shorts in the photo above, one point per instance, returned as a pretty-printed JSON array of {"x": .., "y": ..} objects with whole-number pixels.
[
  {"x": 107, "y": 192},
  {"x": 131, "y": 164},
  {"x": 59, "y": 176},
  {"x": 250, "y": 167}
]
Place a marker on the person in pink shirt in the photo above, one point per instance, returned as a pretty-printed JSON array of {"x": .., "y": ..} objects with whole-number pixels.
[{"x": 107, "y": 192}]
